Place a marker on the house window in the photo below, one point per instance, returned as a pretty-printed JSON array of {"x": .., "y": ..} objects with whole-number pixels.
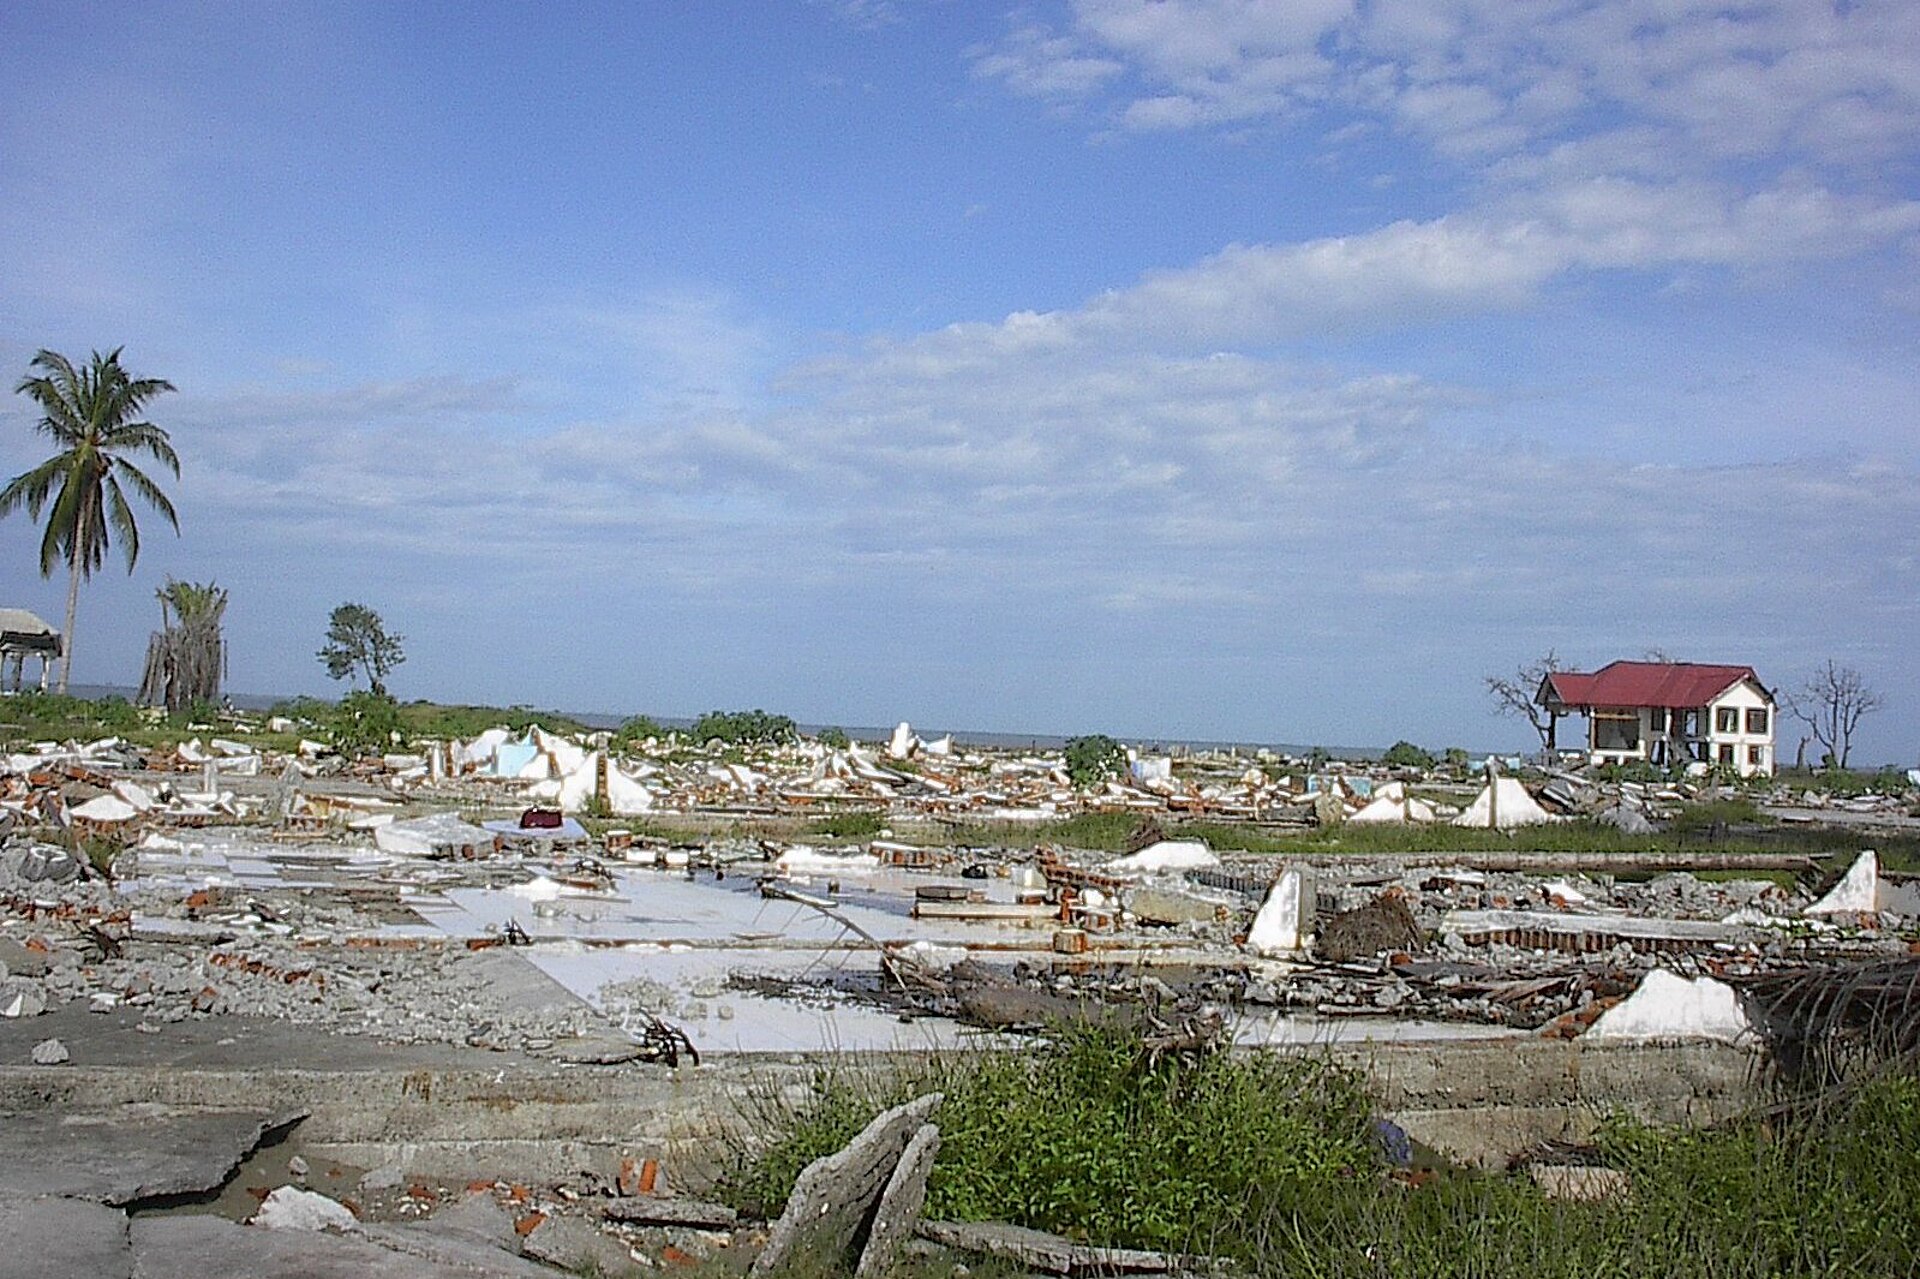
[
  {"x": 1757, "y": 719},
  {"x": 1614, "y": 731},
  {"x": 1657, "y": 719},
  {"x": 1690, "y": 723},
  {"x": 1726, "y": 752},
  {"x": 1757, "y": 756},
  {"x": 1726, "y": 720}
]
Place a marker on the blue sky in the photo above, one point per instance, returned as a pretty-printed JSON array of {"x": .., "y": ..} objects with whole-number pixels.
[{"x": 1219, "y": 368}]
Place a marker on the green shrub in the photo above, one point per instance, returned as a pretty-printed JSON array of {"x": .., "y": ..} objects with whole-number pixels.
[
  {"x": 639, "y": 729},
  {"x": 858, "y": 825},
  {"x": 1404, "y": 754},
  {"x": 1093, "y": 759},
  {"x": 1266, "y": 1159},
  {"x": 1090, "y": 1136},
  {"x": 365, "y": 723},
  {"x": 745, "y": 728},
  {"x": 834, "y": 738}
]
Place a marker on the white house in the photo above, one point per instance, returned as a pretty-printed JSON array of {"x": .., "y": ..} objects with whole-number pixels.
[{"x": 1667, "y": 713}]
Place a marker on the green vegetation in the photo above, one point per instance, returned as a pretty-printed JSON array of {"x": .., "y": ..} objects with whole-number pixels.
[
  {"x": 834, "y": 738},
  {"x": 1842, "y": 781},
  {"x": 1093, "y": 759},
  {"x": 1269, "y": 1160},
  {"x": 745, "y": 728},
  {"x": 1090, "y": 1136},
  {"x": 358, "y": 644},
  {"x": 365, "y": 723},
  {"x": 92, "y": 415},
  {"x": 639, "y": 729},
  {"x": 864, "y": 824},
  {"x": 1404, "y": 754},
  {"x": 33, "y": 715},
  {"x": 426, "y": 719}
]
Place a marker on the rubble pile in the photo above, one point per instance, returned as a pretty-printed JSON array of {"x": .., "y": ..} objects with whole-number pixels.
[{"x": 382, "y": 897}]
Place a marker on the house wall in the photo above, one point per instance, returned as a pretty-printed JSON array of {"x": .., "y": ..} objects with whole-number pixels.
[
  {"x": 1750, "y": 752},
  {"x": 1745, "y": 745}
]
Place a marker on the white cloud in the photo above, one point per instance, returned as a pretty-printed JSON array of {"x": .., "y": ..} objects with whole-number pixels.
[
  {"x": 1034, "y": 63},
  {"x": 1831, "y": 85}
]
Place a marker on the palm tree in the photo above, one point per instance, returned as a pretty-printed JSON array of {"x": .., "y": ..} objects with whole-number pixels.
[
  {"x": 93, "y": 414},
  {"x": 187, "y": 656}
]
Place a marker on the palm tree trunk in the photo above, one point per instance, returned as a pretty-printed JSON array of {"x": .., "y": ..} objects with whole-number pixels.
[{"x": 74, "y": 560}]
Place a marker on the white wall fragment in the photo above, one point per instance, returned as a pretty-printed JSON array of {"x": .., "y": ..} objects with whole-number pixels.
[
  {"x": 1857, "y": 893},
  {"x": 1669, "y": 1006},
  {"x": 1282, "y": 925}
]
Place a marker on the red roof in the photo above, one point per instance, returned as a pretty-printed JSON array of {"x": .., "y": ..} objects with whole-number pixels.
[{"x": 1676, "y": 685}]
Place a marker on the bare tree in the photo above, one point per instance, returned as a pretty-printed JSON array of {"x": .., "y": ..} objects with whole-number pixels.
[
  {"x": 1830, "y": 703},
  {"x": 1514, "y": 694}
]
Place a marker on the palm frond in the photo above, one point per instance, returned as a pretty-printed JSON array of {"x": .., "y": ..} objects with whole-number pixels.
[
  {"x": 147, "y": 489},
  {"x": 56, "y": 545},
  {"x": 31, "y": 489},
  {"x": 143, "y": 437},
  {"x": 120, "y": 516}
]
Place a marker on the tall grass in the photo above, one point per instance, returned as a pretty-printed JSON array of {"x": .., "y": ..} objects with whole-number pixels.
[
  {"x": 1267, "y": 1160},
  {"x": 1089, "y": 1137}
]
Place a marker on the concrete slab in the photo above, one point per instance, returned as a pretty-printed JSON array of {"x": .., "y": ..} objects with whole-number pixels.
[
  {"x": 50, "y": 1238},
  {"x": 191, "y": 1247},
  {"x": 112, "y": 1039},
  {"x": 827, "y": 1215},
  {"x": 459, "y": 1252},
  {"x": 898, "y": 1211},
  {"x": 126, "y": 1156}
]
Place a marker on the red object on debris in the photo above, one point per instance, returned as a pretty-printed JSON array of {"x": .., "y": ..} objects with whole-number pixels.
[
  {"x": 637, "y": 1178},
  {"x": 541, "y": 819},
  {"x": 678, "y": 1256},
  {"x": 526, "y": 1225}
]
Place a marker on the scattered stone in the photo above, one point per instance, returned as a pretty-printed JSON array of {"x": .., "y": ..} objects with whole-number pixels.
[
  {"x": 576, "y": 1245},
  {"x": 50, "y": 1052},
  {"x": 23, "y": 1003},
  {"x": 20, "y": 960},
  {"x": 385, "y": 1177},
  {"x": 291, "y": 1208}
]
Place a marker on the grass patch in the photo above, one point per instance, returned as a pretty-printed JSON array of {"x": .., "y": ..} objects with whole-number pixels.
[
  {"x": 1267, "y": 1159},
  {"x": 863, "y": 824},
  {"x": 1087, "y": 1137}
]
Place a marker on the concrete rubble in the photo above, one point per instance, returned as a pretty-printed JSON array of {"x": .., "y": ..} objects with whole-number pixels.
[
  {"x": 511, "y": 895},
  {"x": 371, "y": 900}
]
